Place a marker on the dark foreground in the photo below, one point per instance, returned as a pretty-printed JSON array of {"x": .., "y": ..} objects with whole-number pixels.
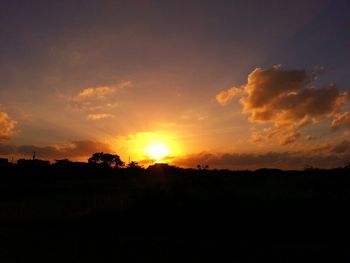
[{"x": 164, "y": 214}]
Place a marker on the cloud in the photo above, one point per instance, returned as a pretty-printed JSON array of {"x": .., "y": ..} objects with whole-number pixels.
[
  {"x": 258, "y": 137},
  {"x": 100, "y": 92},
  {"x": 93, "y": 100},
  {"x": 225, "y": 96},
  {"x": 7, "y": 126},
  {"x": 342, "y": 147},
  {"x": 262, "y": 136},
  {"x": 341, "y": 120},
  {"x": 320, "y": 147},
  {"x": 99, "y": 116},
  {"x": 289, "y": 138},
  {"x": 310, "y": 138},
  {"x": 280, "y": 160},
  {"x": 7, "y": 149},
  {"x": 287, "y": 100},
  {"x": 74, "y": 150},
  {"x": 346, "y": 133}
]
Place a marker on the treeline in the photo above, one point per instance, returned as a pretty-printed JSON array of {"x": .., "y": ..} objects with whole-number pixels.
[{"x": 113, "y": 161}]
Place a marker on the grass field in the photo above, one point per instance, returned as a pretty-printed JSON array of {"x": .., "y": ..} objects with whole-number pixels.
[{"x": 170, "y": 215}]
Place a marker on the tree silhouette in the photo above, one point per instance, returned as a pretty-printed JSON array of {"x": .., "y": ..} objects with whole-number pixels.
[
  {"x": 62, "y": 162},
  {"x": 308, "y": 167},
  {"x": 202, "y": 167},
  {"x": 106, "y": 159},
  {"x": 133, "y": 165}
]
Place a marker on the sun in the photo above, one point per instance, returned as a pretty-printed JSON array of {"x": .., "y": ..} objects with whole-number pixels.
[
  {"x": 157, "y": 151},
  {"x": 150, "y": 147}
]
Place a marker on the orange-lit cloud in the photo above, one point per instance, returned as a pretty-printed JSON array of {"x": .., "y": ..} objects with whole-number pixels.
[
  {"x": 225, "y": 96},
  {"x": 289, "y": 137},
  {"x": 99, "y": 116},
  {"x": 310, "y": 138},
  {"x": 93, "y": 100},
  {"x": 341, "y": 120},
  {"x": 7, "y": 126},
  {"x": 100, "y": 92},
  {"x": 288, "y": 101}
]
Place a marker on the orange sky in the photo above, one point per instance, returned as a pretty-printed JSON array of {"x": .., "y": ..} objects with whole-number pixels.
[{"x": 236, "y": 85}]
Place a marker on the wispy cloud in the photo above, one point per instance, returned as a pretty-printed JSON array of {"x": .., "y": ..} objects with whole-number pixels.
[
  {"x": 289, "y": 137},
  {"x": 97, "y": 103},
  {"x": 99, "y": 116},
  {"x": 93, "y": 100},
  {"x": 100, "y": 92},
  {"x": 341, "y": 120}
]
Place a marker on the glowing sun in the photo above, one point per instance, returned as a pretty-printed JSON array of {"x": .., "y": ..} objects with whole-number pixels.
[{"x": 157, "y": 151}]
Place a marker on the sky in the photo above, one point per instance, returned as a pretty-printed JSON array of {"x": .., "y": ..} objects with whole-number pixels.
[{"x": 229, "y": 84}]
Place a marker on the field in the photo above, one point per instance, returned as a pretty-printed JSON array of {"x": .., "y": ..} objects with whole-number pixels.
[{"x": 166, "y": 214}]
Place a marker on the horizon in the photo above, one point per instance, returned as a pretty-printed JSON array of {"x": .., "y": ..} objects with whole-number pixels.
[{"x": 152, "y": 163}]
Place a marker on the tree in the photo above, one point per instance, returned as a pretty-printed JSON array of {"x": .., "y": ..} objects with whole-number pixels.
[
  {"x": 202, "y": 167},
  {"x": 308, "y": 167},
  {"x": 133, "y": 165},
  {"x": 106, "y": 159},
  {"x": 62, "y": 162}
]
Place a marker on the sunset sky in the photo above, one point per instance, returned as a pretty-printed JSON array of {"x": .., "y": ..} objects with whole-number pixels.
[{"x": 229, "y": 84}]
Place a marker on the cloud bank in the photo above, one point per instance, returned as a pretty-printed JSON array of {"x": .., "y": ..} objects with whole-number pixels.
[
  {"x": 73, "y": 150},
  {"x": 288, "y": 100},
  {"x": 321, "y": 157}
]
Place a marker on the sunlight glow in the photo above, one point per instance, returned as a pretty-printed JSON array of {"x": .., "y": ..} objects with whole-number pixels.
[
  {"x": 157, "y": 151},
  {"x": 149, "y": 147}
]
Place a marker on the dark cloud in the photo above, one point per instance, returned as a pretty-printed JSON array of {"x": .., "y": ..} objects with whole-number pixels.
[
  {"x": 7, "y": 149},
  {"x": 342, "y": 147},
  {"x": 288, "y": 100},
  {"x": 74, "y": 150},
  {"x": 281, "y": 160}
]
